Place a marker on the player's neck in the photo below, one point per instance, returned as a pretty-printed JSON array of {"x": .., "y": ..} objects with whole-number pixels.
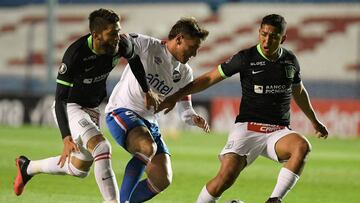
[
  {"x": 275, "y": 56},
  {"x": 170, "y": 46}
]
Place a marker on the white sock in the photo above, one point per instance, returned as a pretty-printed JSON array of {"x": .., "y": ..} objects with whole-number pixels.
[
  {"x": 104, "y": 174},
  {"x": 48, "y": 166},
  {"x": 205, "y": 197},
  {"x": 286, "y": 180}
]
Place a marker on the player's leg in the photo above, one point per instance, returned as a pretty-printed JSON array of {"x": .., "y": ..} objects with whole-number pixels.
[
  {"x": 100, "y": 149},
  {"x": 79, "y": 166},
  {"x": 84, "y": 126},
  {"x": 231, "y": 166},
  {"x": 242, "y": 148},
  {"x": 291, "y": 148},
  {"x": 141, "y": 144},
  {"x": 159, "y": 177},
  {"x": 130, "y": 131}
]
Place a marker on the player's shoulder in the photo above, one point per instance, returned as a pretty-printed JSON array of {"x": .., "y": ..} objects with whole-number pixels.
[
  {"x": 288, "y": 52},
  {"x": 246, "y": 52},
  {"x": 143, "y": 37},
  {"x": 77, "y": 48},
  {"x": 79, "y": 43},
  {"x": 186, "y": 70}
]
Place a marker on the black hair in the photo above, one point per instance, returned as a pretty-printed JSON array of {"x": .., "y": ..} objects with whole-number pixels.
[
  {"x": 188, "y": 26},
  {"x": 275, "y": 20},
  {"x": 101, "y": 18}
]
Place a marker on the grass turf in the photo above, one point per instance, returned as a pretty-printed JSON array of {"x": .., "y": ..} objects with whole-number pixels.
[{"x": 331, "y": 175}]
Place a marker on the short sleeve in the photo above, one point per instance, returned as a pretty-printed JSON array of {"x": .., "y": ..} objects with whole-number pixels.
[{"x": 232, "y": 65}]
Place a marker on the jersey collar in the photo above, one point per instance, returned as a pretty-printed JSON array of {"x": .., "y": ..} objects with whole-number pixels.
[
  {"x": 258, "y": 47},
  {"x": 89, "y": 42}
]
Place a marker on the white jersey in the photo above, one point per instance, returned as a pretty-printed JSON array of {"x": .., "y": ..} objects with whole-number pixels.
[{"x": 165, "y": 75}]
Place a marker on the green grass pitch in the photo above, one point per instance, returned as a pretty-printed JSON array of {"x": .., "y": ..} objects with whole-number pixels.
[{"x": 332, "y": 173}]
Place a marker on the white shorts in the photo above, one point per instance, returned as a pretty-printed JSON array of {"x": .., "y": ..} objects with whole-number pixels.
[
  {"x": 83, "y": 124},
  {"x": 252, "y": 139}
]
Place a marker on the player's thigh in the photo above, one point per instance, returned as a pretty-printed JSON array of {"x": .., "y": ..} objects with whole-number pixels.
[
  {"x": 139, "y": 139},
  {"x": 129, "y": 130},
  {"x": 292, "y": 144},
  {"x": 244, "y": 142},
  {"x": 284, "y": 143},
  {"x": 159, "y": 170},
  {"x": 83, "y": 125}
]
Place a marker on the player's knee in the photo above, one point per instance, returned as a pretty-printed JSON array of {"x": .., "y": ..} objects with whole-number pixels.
[
  {"x": 149, "y": 149},
  {"x": 146, "y": 149},
  {"x": 140, "y": 141},
  {"x": 77, "y": 172},
  {"x": 94, "y": 141},
  {"x": 303, "y": 148},
  {"x": 102, "y": 150}
]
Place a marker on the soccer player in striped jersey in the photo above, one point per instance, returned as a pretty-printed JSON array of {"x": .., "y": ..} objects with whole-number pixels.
[
  {"x": 270, "y": 75},
  {"x": 81, "y": 86},
  {"x": 134, "y": 126}
]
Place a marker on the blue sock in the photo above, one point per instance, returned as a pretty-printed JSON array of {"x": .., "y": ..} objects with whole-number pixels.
[
  {"x": 142, "y": 192},
  {"x": 133, "y": 172}
]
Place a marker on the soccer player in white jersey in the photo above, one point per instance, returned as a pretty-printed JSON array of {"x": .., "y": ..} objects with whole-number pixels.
[{"x": 134, "y": 127}]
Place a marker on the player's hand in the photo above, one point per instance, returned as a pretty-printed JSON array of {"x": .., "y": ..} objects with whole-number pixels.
[
  {"x": 201, "y": 123},
  {"x": 167, "y": 104},
  {"x": 152, "y": 99},
  {"x": 320, "y": 130},
  {"x": 69, "y": 146}
]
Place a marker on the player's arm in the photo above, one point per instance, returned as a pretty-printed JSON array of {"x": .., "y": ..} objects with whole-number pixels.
[
  {"x": 62, "y": 92},
  {"x": 64, "y": 83},
  {"x": 189, "y": 116},
  {"x": 199, "y": 84},
  {"x": 302, "y": 99},
  {"x": 136, "y": 66},
  {"x": 61, "y": 95}
]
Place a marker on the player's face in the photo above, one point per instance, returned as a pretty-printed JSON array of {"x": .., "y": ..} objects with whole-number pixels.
[
  {"x": 109, "y": 39},
  {"x": 187, "y": 47},
  {"x": 270, "y": 40}
]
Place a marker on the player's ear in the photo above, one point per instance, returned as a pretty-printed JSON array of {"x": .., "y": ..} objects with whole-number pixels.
[
  {"x": 179, "y": 38},
  {"x": 283, "y": 39},
  {"x": 95, "y": 35}
]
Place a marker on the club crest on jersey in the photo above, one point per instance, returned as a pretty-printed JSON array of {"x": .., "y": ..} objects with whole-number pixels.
[
  {"x": 63, "y": 68},
  {"x": 290, "y": 71},
  {"x": 176, "y": 76}
]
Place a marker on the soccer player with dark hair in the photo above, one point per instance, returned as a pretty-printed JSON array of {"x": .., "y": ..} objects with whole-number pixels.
[
  {"x": 270, "y": 75},
  {"x": 134, "y": 127},
  {"x": 81, "y": 87}
]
